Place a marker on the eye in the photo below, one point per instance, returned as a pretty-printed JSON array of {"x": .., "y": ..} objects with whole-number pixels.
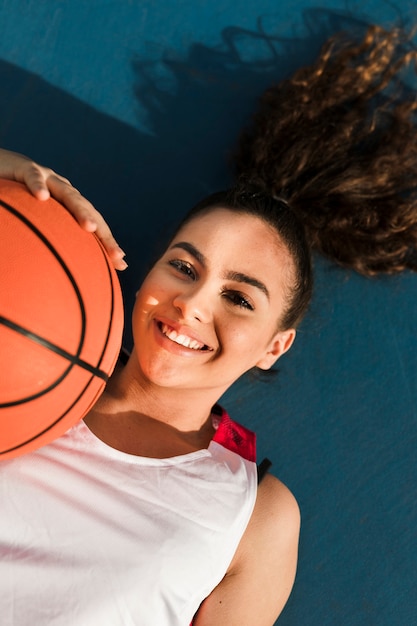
[
  {"x": 183, "y": 268},
  {"x": 237, "y": 299}
]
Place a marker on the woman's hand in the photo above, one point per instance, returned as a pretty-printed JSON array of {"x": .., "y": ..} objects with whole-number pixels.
[{"x": 43, "y": 182}]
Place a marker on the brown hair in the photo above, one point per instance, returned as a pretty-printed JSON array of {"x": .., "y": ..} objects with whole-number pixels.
[{"x": 338, "y": 141}]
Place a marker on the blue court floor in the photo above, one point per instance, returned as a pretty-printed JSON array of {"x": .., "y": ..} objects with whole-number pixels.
[{"x": 138, "y": 103}]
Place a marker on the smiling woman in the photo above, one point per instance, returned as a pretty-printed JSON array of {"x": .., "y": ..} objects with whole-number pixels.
[
  {"x": 157, "y": 474},
  {"x": 148, "y": 511},
  {"x": 207, "y": 289}
]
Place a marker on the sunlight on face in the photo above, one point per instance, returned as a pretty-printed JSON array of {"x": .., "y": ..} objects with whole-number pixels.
[
  {"x": 152, "y": 301},
  {"x": 209, "y": 308}
]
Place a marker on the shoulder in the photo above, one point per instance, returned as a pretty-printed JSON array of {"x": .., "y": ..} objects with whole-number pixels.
[
  {"x": 268, "y": 551},
  {"x": 262, "y": 573},
  {"x": 274, "y": 528},
  {"x": 276, "y": 503}
]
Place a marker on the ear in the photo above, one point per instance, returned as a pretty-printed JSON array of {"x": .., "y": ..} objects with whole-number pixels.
[{"x": 280, "y": 343}]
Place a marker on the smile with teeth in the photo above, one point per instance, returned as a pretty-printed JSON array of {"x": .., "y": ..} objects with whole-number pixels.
[{"x": 183, "y": 340}]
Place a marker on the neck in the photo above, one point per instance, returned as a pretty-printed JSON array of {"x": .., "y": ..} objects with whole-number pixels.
[
  {"x": 138, "y": 417},
  {"x": 183, "y": 409}
]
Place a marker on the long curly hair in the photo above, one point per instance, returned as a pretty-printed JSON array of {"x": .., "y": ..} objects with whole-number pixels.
[{"x": 338, "y": 142}]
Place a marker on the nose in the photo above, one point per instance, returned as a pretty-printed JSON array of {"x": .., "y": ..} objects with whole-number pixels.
[{"x": 194, "y": 304}]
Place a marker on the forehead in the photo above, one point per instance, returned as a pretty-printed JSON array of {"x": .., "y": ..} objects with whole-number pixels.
[
  {"x": 241, "y": 242},
  {"x": 240, "y": 229}
]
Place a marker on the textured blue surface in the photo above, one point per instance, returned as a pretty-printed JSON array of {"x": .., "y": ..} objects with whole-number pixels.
[{"x": 139, "y": 103}]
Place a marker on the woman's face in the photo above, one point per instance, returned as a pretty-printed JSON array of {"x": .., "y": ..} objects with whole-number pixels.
[{"x": 209, "y": 309}]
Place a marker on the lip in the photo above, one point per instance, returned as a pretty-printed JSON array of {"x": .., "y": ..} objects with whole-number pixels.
[{"x": 172, "y": 346}]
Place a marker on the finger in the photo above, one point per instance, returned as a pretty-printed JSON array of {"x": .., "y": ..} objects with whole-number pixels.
[
  {"x": 111, "y": 246},
  {"x": 15, "y": 166},
  {"x": 34, "y": 178},
  {"x": 83, "y": 211},
  {"x": 87, "y": 216}
]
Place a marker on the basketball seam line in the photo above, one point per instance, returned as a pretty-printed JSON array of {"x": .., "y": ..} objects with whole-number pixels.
[
  {"x": 60, "y": 260},
  {"x": 75, "y": 360}
]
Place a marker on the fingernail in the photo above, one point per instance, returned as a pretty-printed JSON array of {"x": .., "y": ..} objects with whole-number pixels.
[{"x": 90, "y": 226}]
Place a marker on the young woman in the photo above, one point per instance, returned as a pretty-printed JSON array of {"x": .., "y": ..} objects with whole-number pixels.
[
  {"x": 137, "y": 514},
  {"x": 148, "y": 511}
]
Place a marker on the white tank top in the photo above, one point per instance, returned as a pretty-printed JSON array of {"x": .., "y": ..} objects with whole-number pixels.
[{"x": 90, "y": 536}]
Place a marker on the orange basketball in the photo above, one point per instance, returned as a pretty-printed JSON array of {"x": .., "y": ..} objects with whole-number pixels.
[{"x": 61, "y": 320}]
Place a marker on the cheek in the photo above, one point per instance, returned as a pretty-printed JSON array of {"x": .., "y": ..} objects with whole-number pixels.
[
  {"x": 149, "y": 293},
  {"x": 146, "y": 300},
  {"x": 153, "y": 291},
  {"x": 142, "y": 305},
  {"x": 138, "y": 315},
  {"x": 246, "y": 339}
]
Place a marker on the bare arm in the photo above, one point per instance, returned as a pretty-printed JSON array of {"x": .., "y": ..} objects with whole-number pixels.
[
  {"x": 261, "y": 576},
  {"x": 43, "y": 182}
]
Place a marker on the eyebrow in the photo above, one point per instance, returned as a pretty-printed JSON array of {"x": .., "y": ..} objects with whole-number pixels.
[
  {"x": 188, "y": 247},
  {"x": 236, "y": 276},
  {"x": 248, "y": 280}
]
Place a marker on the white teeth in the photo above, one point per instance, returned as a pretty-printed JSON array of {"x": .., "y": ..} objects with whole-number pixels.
[{"x": 187, "y": 342}]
